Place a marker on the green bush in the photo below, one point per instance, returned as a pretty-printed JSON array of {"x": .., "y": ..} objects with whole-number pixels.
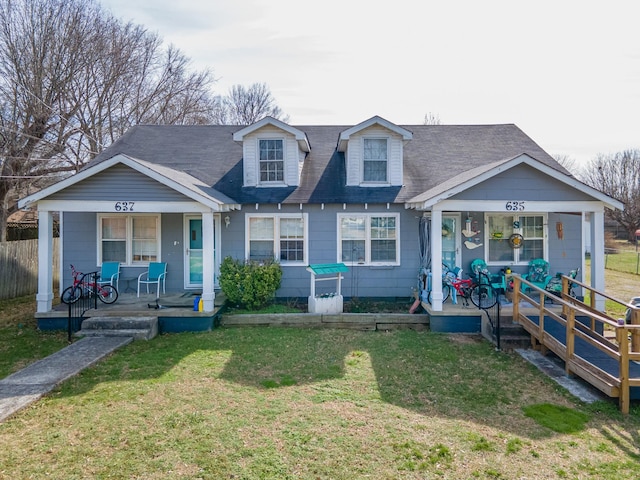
[{"x": 249, "y": 284}]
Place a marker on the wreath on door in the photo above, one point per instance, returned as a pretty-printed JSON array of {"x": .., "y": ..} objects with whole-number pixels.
[{"x": 515, "y": 240}]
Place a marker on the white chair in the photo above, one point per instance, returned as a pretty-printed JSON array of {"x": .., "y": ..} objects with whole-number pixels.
[{"x": 156, "y": 274}]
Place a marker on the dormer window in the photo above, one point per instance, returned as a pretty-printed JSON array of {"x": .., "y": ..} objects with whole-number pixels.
[
  {"x": 373, "y": 153},
  {"x": 271, "y": 161},
  {"x": 375, "y": 158}
]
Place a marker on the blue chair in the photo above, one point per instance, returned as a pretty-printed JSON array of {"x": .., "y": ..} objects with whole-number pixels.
[
  {"x": 480, "y": 270},
  {"x": 538, "y": 274},
  {"x": 109, "y": 274},
  {"x": 156, "y": 274}
]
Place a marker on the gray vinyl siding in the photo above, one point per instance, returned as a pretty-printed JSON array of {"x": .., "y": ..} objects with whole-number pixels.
[
  {"x": 80, "y": 248},
  {"x": 79, "y": 244},
  {"x": 564, "y": 254},
  {"x": 359, "y": 281},
  {"x": 120, "y": 183},
  {"x": 523, "y": 183},
  {"x": 172, "y": 246}
]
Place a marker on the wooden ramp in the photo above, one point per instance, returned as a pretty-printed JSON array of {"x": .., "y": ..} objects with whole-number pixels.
[{"x": 602, "y": 350}]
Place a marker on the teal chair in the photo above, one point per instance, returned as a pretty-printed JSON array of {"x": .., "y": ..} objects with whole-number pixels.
[
  {"x": 156, "y": 275},
  {"x": 538, "y": 274},
  {"x": 109, "y": 274},
  {"x": 480, "y": 271}
]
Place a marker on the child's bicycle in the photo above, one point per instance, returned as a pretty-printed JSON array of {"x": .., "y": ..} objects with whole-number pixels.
[
  {"x": 481, "y": 293},
  {"x": 105, "y": 293}
]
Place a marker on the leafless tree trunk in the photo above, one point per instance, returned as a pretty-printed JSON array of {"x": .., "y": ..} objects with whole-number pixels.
[{"x": 618, "y": 175}]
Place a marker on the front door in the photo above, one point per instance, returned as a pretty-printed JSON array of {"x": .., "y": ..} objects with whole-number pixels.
[
  {"x": 193, "y": 252},
  {"x": 450, "y": 240}
]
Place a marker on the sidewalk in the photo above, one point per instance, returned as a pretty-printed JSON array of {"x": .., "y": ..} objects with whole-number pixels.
[{"x": 30, "y": 384}]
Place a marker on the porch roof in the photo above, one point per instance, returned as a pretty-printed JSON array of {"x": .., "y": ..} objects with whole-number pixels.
[
  {"x": 178, "y": 180},
  {"x": 469, "y": 178}
]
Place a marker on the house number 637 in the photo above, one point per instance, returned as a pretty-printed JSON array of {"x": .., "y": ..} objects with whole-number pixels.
[
  {"x": 514, "y": 206},
  {"x": 123, "y": 206}
]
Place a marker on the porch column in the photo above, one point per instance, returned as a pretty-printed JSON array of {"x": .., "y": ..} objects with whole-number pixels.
[
  {"x": 436, "y": 260},
  {"x": 597, "y": 256},
  {"x": 208, "y": 293},
  {"x": 45, "y": 261}
]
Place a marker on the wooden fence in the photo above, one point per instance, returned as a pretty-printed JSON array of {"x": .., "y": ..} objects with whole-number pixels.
[{"x": 19, "y": 268}]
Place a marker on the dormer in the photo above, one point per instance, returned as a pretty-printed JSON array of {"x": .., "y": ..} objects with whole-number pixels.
[
  {"x": 373, "y": 153},
  {"x": 272, "y": 153}
]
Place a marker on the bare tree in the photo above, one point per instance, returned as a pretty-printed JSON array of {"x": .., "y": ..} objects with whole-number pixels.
[
  {"x": 432, "y": 119},
  {"x": 618, "y": 175},
  {"x": 72, "y": 80},
  {"x": 247, "y": 105},
  {"x": 569, "y": 163}
]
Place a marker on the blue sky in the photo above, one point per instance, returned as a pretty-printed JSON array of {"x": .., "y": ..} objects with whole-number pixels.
[{"x": 566, "y": 72}]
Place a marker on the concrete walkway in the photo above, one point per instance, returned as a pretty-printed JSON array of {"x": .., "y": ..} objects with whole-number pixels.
[
  {"x": 30, "y": 384},
  {"x": 555, "y": 370}
]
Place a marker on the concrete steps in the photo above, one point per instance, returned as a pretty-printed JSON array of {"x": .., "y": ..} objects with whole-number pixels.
[
  {"x": 139, "y": 328},
  {"x": 512, "y": 337}
]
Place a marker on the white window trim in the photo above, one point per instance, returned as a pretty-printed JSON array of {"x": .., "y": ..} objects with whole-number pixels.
[
  {"x": 363, "y": 182},
  {"x": 259, "y": 182},
  {"x": 129, "y": 236},
  {"x": 367, "y": 241},
  {"x": 516, "y": 257},
  {"x": 276, "y": 236}
]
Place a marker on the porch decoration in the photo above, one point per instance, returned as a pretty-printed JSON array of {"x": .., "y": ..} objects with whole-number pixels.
[
  {"x": 468, "y": 231},
  {"x": 515, "y": 240},
  {"x": 326, "y": 303},
  {"x": 471, "y": 245}
]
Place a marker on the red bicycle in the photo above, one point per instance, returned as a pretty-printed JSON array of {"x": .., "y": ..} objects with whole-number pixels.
[
  {"x": 105, "y": 293},
  {"x": 480, "y": 290}
]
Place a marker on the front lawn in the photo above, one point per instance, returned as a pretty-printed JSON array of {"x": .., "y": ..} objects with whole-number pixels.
[
  {"x": 21, "y": 343},
  {"x": 260, "y": 403}
]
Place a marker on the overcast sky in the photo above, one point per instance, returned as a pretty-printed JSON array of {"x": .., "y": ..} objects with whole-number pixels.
[{"x": 567, "y": 72}]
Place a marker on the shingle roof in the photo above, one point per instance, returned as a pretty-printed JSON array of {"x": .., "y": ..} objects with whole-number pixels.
[{"x": 437, "y": 154}]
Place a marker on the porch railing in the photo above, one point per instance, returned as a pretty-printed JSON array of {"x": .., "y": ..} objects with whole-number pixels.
[
  {"x": 87, "y": 301},
  {"x": 596, "y": 347}
]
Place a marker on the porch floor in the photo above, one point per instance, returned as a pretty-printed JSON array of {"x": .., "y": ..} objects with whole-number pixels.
[{"x": 130, "y": 305}]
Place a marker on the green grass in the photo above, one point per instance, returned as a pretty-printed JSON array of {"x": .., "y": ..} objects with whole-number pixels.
[
  {"x": 262, "y": 403},
  {"x": 21, "y": 343},
  {"x": 625, "y": 261}
]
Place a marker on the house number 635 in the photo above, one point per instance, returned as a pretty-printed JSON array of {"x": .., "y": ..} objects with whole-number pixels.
[
  {"x": 514, "y": 206},
  {"x": 123, "y": 206}
]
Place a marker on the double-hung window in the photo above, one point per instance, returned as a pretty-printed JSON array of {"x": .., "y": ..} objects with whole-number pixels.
[
  {"x": 281, "y": 237},
  {"x": 369, "y": 239},
  {"x": 271, "y": 160},
  {"x": 129, "y": 239},
  {"x": 375, "y": 160},
  {"x": 501, "y": 227}
]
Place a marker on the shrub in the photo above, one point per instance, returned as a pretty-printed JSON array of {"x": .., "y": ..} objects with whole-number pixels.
[{"x": 249, "y": 284}]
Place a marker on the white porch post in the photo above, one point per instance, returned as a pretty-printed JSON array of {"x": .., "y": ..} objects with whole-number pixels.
[
  {"x": 208, "y": 293},
  {"x": 597, "y": 256},
  {"x": 436, "y": 260},
  {"x": 45, "y": 261}
]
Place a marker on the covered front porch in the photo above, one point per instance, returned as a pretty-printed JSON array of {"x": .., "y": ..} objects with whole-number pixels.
[
  {"x": 127, "y": 210},
  {"x": 553, "y": 216},
  {"x": 176, "y": 312}
]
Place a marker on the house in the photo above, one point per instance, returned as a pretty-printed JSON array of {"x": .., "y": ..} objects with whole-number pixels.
[{"x": 363, "y": 194}]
